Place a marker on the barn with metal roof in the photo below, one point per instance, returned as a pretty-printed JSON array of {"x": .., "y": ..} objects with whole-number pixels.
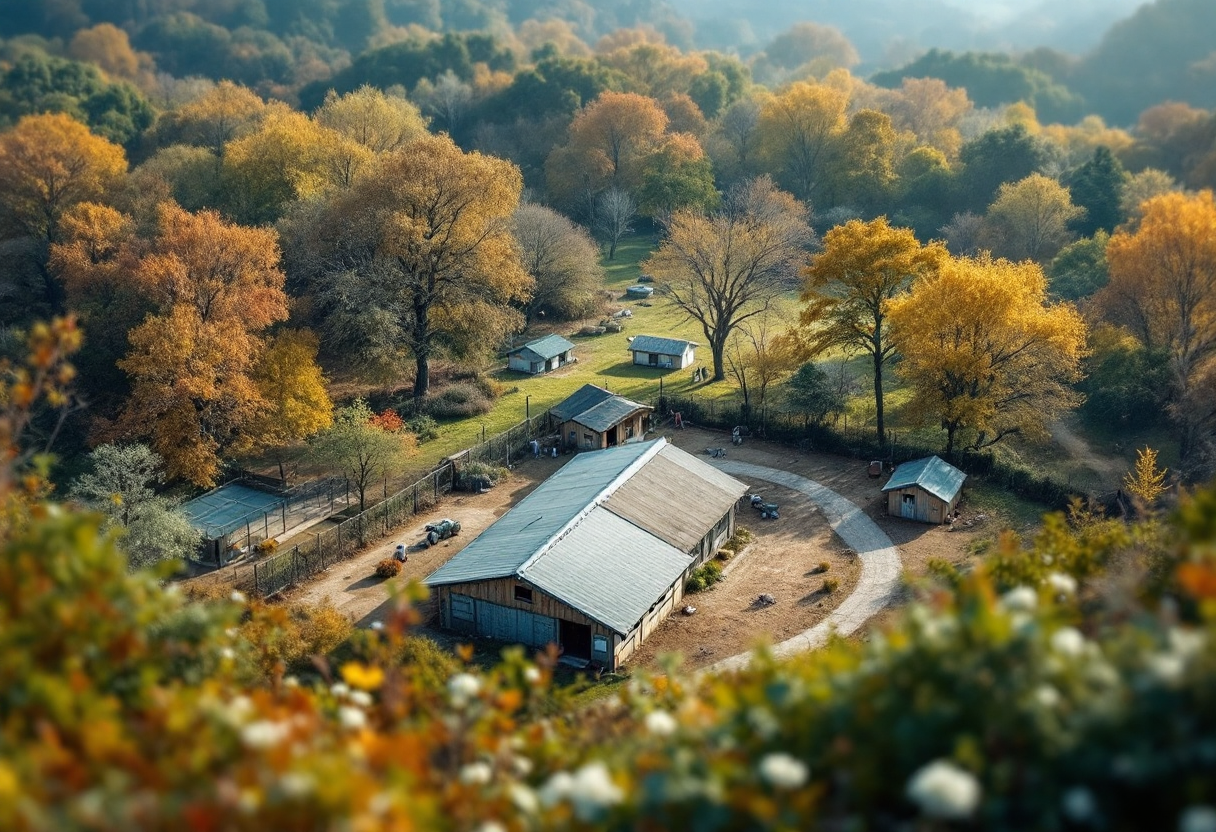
[
  {"x": 925, "y": 489},
  {"x": 592, "y": 418},
  {"x": 596, "y": 557}
]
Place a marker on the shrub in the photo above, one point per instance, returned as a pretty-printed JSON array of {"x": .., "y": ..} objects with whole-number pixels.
[
  {"x": 490, "y": 388},
  {"x": 388, "y": 568},
  {"x": 459, "y": 401},
  {"x": 422, "y": 426},
  {"x": 267, "y": 546},
  {"x": 830, "y": 585},
  {"x": 823, "y": 566},
  {"x": 703, "y": 577},
  {"x": 474, "y": 475}
]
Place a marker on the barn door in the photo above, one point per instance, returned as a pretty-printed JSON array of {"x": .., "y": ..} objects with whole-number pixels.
[{"x": 907, "y": 508}]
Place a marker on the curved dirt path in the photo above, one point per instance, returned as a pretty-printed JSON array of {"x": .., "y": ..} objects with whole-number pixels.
[
  {"x": 880, "y": 566},
  {"x": 1108, "y": 471}
]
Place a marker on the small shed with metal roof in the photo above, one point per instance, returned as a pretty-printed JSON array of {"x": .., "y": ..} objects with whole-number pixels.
[
  {"x": 541, "y": 355},
  {"x": 590, "y": 560},
  {"x": 664, "y": 353},
  {"x": 925, "y": 489},
  {"x": 592, "y": 418}
]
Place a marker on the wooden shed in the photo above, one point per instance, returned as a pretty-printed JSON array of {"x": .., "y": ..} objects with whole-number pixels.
[
  {"x": 664, "y": 353},
  {"x": 924, "y": 489},
  {"x": 591, "y": 560},
  {"x": 592, "y": 418},
  {"x": 541, "y": 355}
]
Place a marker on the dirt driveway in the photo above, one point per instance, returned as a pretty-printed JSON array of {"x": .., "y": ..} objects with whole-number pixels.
[
  {"x": 783, "y": 560},
  {"x": 352, "y": 587}
]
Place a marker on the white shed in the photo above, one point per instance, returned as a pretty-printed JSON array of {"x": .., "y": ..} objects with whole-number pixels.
[
  {"x": 541, "y": 355},
  {"x": 664, "y": 353}
]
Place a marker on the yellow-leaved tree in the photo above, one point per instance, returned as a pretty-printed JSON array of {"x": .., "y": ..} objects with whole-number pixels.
[
  {"x": 798, "y": 130},
  {"x": 984, "y": 352},
  {"x": 417, "y": 259},
  {"x": 1146, "y": 481},
  {"x": 852, "y": 281},
  {"x": 293, "y": 386},
  {"x": 216, "y": 286}
]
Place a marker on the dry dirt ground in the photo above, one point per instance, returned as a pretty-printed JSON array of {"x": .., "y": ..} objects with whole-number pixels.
[
  {"x": 786, "y": 552},
  {"x": 783, "y": 560}
]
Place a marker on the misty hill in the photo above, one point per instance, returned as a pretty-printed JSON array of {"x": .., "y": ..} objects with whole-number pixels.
[{"x": 888, "y": 32}]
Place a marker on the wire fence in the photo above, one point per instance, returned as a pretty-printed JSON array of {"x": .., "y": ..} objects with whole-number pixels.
[{"x": 279, "y": 571}]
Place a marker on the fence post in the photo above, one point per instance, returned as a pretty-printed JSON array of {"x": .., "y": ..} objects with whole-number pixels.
[
  {"x": 386, "y": 515},
  {"x": 320, "y": 554},
  {"x": 283, "y": 513},
  {"x": 436, "y": 486},
  {"x": 256, "y": 591},
  {"x": 415, "y": 498}
]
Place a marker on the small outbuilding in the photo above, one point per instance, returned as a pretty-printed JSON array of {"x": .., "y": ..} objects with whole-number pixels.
[
  {"x": 595, "y": 558},
  {"x": 664, "y": 353},
  {"x": 593, "y": 418},
  {"x": 924, "y": 489},
  {"x": 541, "y": 355}
]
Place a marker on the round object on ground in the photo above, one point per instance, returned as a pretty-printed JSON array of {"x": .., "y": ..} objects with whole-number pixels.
[{"x": 432, "y": 538}]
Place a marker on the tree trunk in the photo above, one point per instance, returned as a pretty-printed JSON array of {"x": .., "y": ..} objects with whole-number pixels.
[
  {"x": 878, "y": 394},
  {"x": 422, "y": 377},
  {"x": 612, "y": 247},
  {"x": 718, "y": 350},
  {"x": 950, "y": 431}
]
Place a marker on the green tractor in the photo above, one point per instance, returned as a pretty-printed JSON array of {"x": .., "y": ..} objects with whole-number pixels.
[{"x": 441, "y": 530}]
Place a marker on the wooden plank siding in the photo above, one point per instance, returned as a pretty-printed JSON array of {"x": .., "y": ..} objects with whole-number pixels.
[
  {"x": 582, "y": 438},
  {"x": 928, "y": 508}
]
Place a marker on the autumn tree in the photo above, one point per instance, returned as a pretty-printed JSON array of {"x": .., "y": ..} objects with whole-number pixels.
[
  {"x": 293, "y": 387},
  {"x": 417, "y": 259},
  {"x": 759, "y": 356},
  {"x": 798, "y": 130},
  {"x": 726, "y": 268},
  {"x": 120, "y": 486},
  {"x": 49, "y": 163},
  {"x": 863, "y": 172},
  {"x": 563, "y": 260},
  {"x": 1030, "y": 219},
  {"x": 215, "y": 287},
  {"x": 678, "y": 176},
  {"x": 931, "y": 110},
  {"x": 1163, "y": 289},
  {"x": 610, "y": 140},
  {"x": 1146, "y": 482},
  {"x": 614, "y": 213},
  {"x": 849, "y": 285},
  {"x": 372, "y": 118},
  {"x": 734, "y": 144},
  {"x": 223, "y": 113},
  {"x": 1140, "y": 188},
  {"x": 362, "y": 450},
  {"x": 984, "y": 352}
]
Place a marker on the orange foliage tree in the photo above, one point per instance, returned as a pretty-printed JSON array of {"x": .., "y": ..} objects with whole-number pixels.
[{"x": 215, "y": 286}]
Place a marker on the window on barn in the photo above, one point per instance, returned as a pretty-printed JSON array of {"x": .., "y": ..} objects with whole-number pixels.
[{"x": 523, "y": 593}]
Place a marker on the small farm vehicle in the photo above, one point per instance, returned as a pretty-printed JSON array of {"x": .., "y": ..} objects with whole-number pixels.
[{"x": 768, "y": 511}]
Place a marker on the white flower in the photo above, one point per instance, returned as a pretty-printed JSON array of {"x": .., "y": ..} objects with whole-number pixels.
[
  {"x": 1078, "y": 804},
  {"x": 238, "y": 597},
  {"x": 1167, "y": 667},
  {"x": 239, "y": 708},
  {"x": 1186, "y": 643},
  {"x": 232, "y": 632},
  {"x": 763, "y": 722},
  {"x": 351, "y": 718},
  {"x": 462, "y": 687},
  {"x": 523, "y": 798},
  {"x": 377, "y": 625},
  {"x": 227, "y": 654},
  {"x": 291, "y": 682},
  {"x": 1062, "y": 584},
  {"x": 296, "y": 784},
  {"x": 661, "y": 723},
  {"x": 1047, "y": 696},
  {"x": 943, "y": 790},
  {"x": 490, "y": 826},
  {"x": 531, "y": 675},
  {"x": 1068, "y": 641},
  {"x": 588, "y": 790},
  {"x": 361, "y": 698},
  {"x": 476, "y": 774},
  {"x": 380, "y": 803},
  {"x": 522, "y": 766},
  {"x": 783, "y": 771},
  {"x": 264, "y": 734},
  {"x": 1198, "y": 819},
  {"x": 339, "y": 689},
  {"x": 1048, "y": 560},
  {"x": 249, "y": 801},
  {"x": 1020, "y": 599}
]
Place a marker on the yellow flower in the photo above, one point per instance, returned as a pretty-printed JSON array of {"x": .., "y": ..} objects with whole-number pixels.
[{"x": 361, "y": 676}]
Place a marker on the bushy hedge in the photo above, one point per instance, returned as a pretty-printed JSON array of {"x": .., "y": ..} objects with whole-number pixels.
[
  {"x": 703, "y": 577},
  {"x": 459, "y": 401}
]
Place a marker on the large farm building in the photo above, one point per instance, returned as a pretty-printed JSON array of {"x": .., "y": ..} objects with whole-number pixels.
[{"x": 596, "y": 557}]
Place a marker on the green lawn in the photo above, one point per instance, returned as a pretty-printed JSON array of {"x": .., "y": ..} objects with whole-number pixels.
[{"x": 603, "y": 360}]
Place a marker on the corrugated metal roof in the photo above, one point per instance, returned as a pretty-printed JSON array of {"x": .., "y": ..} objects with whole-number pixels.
[
  {"x": 228, "y": 507},
  {"x": 530, "y": 527},
  {"x": 608, "y": 569},
  {"x": 676, "y": 497},
  {"x": 580, "y": 401},
  {"x": 659, "y": 346},
  {"x": 570, "y": 539},
  {"x": 548, "y": 347},
  {"x": 608, "y": 413},
  {"x": 934, "y": 474}
]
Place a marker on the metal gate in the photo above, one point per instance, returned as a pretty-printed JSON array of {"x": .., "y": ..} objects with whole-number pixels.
[{"x": 512, "y": 625}]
